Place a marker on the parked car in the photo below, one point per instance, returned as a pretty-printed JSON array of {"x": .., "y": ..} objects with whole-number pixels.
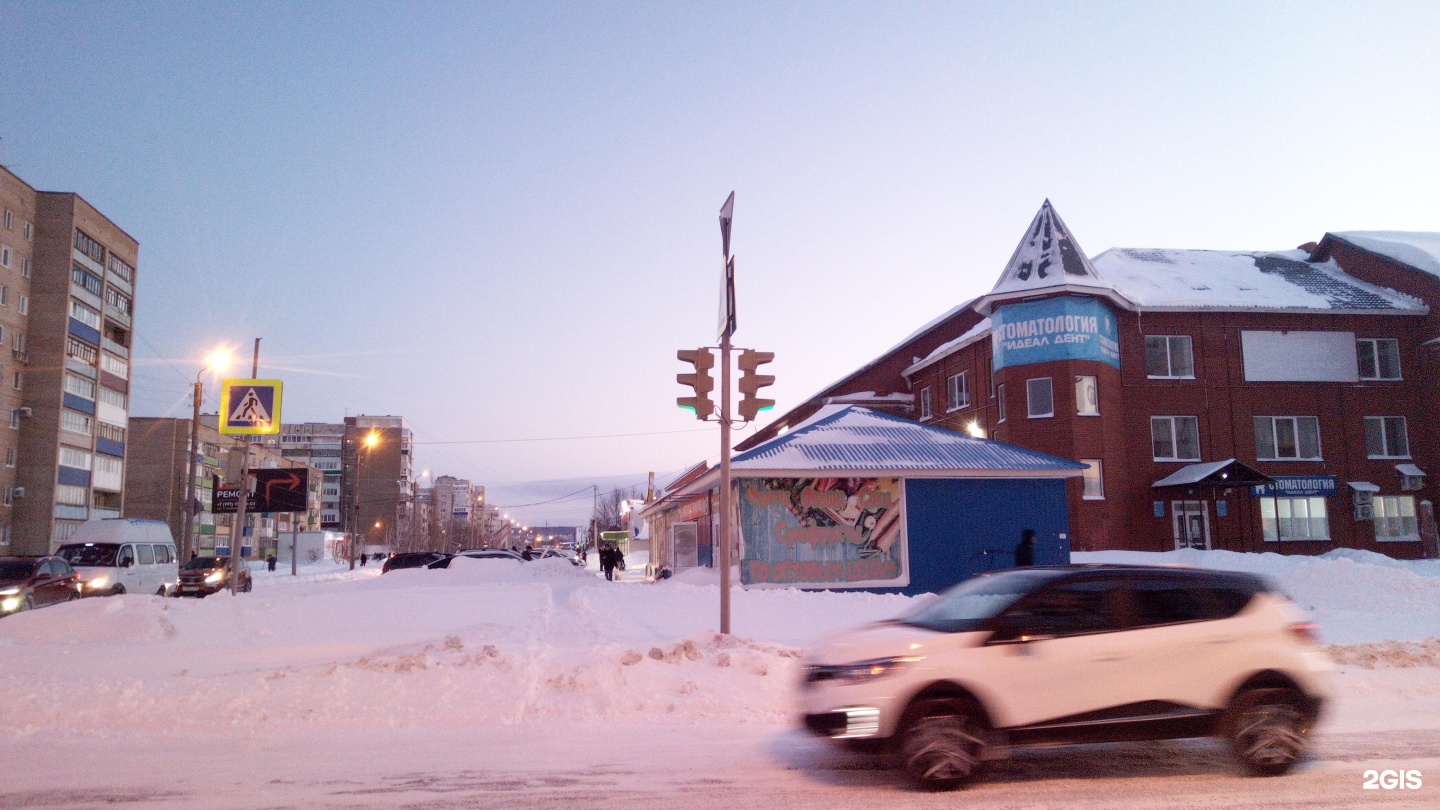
[
  {"x": 479, "y": 554},
  {"x": 123, "y": 555},
  {"x": 1073, "y": 654},
  {"x": 32, "y": 582},
  {"x": 415, "y": 559},
  {"x": 203, "y": 576},
  {"x": 563, "y": 554}
]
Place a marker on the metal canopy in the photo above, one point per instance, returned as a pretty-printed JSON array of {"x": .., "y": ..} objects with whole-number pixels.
[{"x": 1214, "y": 474}]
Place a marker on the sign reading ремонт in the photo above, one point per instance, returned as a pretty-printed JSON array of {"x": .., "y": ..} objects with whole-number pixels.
[
  {"x": 250, "y": 407},
  {"x": 1067, "y": 328}
]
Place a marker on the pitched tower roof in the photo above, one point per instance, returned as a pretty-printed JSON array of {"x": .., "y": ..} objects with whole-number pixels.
[{"x": 1047, "y": 256}]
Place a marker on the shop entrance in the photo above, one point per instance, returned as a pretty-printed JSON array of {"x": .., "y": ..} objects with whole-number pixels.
[{"x": 1191, "y": 523}]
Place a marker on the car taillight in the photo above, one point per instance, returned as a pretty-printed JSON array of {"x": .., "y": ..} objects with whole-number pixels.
[{"x": 1305, "y": 631}]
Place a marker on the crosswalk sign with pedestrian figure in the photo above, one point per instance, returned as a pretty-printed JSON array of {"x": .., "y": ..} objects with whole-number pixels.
[{"x": 250, "y": 407}]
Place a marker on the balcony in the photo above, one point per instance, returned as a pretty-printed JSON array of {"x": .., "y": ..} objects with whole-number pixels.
[
  {"x": 65, "y": 511},
  {"x": 111, "y": 346},
  {"x": 105, "y": 513}
]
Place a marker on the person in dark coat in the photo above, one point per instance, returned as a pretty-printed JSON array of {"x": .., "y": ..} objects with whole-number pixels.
[
  {"x": 270, "y": 562},
  {"x": 528, "y": 553},
  {"x": 607, "y": 562},
  {"x": 1025, "y": 551}
]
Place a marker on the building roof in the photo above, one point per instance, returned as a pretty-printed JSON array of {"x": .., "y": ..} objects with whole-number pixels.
[
  {"x": 1416, "y": 249},
  {"x": 1047, "y": 256},
  {"x": 847, "y": 438}
]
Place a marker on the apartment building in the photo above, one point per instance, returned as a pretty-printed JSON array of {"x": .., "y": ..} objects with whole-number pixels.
[
  {"x": 319, "y": 444},
  {"x": 67, "y": 304},
  {"x": 377, "y": 484}
]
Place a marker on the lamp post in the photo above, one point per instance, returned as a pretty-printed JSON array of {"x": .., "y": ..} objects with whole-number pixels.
[
  {"x": 217, "y": 362},
  {"x": 371, "y": 439}
]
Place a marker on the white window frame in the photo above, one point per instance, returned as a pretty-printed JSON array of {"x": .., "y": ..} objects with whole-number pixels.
[
  {"x": 24, "y": 305},
  {"x": 79, "y": 419},
  {"x": 1385, "y": 436},
  {"x": 1080, "y": 391},
  {"x": 1092, "y": 483},
  {"x": 84, "y": 314},
  {"x": 1170, "y": 343},
  {"x": 1174, "y": 438},
  {"x": 82, "y": 387},
  {"x": 1030, "y": 397},
  {"x": 1295, "y": 422},
  {"x": 957, "y": 391},
  {"x": 82, "y": 459},
  {"x": 4, "y": 255},
  {"x": 1276, "y": 526},
  {"x": 927, "y": 409},
  {"x": 1369, "y": 348},
  {"x": 1000, "y": 402},
  {"x": 1390, "y": 515}
]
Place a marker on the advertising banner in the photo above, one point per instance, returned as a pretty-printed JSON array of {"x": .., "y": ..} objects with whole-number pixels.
[
  {"x": 1067, "y": 328},
  {"x": 1297, "y": 486},
  {"x": 276, "y": 490},
  {"x": 823, "y": 532}
]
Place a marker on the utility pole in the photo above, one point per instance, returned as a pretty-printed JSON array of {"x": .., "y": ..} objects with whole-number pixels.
[
  {"x": 727, "y": 328},
  {"x": 239, "y": 461}
]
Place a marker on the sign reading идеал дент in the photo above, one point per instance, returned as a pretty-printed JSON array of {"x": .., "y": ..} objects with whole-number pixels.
[
  {"x": 1066, "y": 328},
  {"x": 250, "y": 407}
]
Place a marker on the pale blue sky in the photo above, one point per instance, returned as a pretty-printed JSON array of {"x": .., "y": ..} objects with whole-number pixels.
[{"x": 499, "y": 220}]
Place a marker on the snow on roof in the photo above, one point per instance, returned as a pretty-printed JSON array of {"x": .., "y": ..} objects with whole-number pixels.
[
  {"x": 1047, "y": 256},
  {"x": 861, "y": 397},
  {"x": 848, "y": 438},
  {"x": 1417, "y": 249},
  {"x": 975, "y": 332},
  {"x": 1202, "y": 279},
  {"x": 1191, "y": 473}
]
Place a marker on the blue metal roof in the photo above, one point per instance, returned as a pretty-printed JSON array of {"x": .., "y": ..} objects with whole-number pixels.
[{"x": 841, "y": 438}]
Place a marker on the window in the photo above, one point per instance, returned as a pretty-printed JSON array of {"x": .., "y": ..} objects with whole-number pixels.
[
  {"x": 110, "y": 466},
  {"x": 76, "y": 422},
  {"x": 957, "y": 391},
  {"x": 121, "y": 268},
  {"x": 1066, "y": 609},
  {"x": 1379, "y": 358},
  {"x": 1087, "y": 396},
  {"x": 1294, "y": 519},
  {"x": 84, "y": 278},
  {"x": 1000, "y": 401},
  {"x": 4, "y": 255},
  {"x": 17, "y": 380},
  {"x": 83, "y": 352},
  {"x": 1093, "y": 480},
  {"x": 1287, "y": 438},
  {"x": 84, "y": 314},
  {"x": 120, "y": 302},
  {"x": 71, "y": 495},
  {"x": 114, "y": 433},
  {"x": 24, "y": 305},
  {"x": 17, "y": 341},
  {"x": 74, "y": 457},
  {"x": 1169, "y": 357},
  {"x": 79, "y": 386},
  {"x": 1386, "y": 437},
  {"x": 29, "y": 231},
  {"x": 15, "y": 418},
  {"x": 1395, "y": 518},
  {"x": 25, "y": 266},
  {"x": 4, "y": 296},
  {"x": 926, "y": 409},
  {"x": 1039, "y": 397},
  {"x": 110, "y": 397},
  {"x": 89, "y": 247},
  {"x": 9, "y": 218},
  {"x": 111, "y": 500},
  {"x": 9, "y": 457},
  {"x": 1175, "y": 438}
]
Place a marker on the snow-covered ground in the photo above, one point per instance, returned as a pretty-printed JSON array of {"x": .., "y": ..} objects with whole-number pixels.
[{"x": 341, "y": 688}]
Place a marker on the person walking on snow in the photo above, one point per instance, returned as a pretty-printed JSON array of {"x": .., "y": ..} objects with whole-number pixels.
[
  {"x": 607, "y": 562},
  {"x": 1025, "y": 551}
]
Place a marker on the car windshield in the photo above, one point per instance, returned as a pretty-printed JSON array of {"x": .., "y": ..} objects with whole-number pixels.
[
  {"x": 970, "y": 604},
  {"x": 16, "y": 569},
  {"x": 99, "y": 554},
  {"x": 206, "y": 563}
]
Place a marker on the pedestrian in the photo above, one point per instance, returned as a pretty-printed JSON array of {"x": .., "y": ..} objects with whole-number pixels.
[
  {"x": 1025, "y": 551},
  {"x": 528, "y": 553},
  {"x": 363, "y": 558},
  {"x": 607, "y": 562},
  {"x": 619, "y": 559},
  {"x": 270, "y": 562}
]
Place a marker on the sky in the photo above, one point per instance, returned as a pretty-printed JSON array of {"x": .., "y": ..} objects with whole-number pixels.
[{"x": 500, "y": 220}]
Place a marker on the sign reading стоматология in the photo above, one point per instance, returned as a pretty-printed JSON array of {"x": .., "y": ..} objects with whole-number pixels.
[
  {"x": 1068, "y": 328},
  {"x": 823, "y": 532}
]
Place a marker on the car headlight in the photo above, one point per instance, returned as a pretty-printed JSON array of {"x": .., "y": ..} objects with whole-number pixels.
[
  {"x": 860, "y": 671},
  {"x": 97, "y": 582},
  {"x": 218, "y": 576},
  {"x": 9, "y": 603},
  {"x": 9, "y": 591}
]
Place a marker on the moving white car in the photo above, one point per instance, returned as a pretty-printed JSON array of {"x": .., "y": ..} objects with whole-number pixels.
[
  {"x": 123, "y": 555},
  {"x": 1073, "y": 654}
]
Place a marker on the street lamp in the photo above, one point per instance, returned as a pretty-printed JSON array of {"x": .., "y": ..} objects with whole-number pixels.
[
  {"x": 371, "y": 439},
  {"x": 218, "y": 361}
]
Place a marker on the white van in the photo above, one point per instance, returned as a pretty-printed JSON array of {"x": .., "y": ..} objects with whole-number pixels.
[{"x": 123, "y": 555}]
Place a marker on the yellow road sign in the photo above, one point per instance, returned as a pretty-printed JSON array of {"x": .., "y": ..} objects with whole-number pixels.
[{"x": 250, "y": 407}]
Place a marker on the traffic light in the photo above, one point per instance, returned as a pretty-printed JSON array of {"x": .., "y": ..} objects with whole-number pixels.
[
  {"x": 751, "y": 383},
  {"x": 703, "y": 360}
]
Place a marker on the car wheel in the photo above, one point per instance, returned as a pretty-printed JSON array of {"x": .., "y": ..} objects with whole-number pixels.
[
  {"x": 72, "y": 596},
  {"x": 942, "y": 747},
  {"x": 1267, "y": 730},
  {"x": 249, "y": 583},
  {"x": 161, "y": 592},
  {"x": 117, "y": 590}
]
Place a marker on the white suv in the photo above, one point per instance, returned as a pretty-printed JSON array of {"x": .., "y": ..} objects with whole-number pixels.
[{"x": 1073, "y": 654}]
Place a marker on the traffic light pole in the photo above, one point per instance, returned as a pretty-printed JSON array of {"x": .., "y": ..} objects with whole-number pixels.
[{"x": 725, "y": 484}]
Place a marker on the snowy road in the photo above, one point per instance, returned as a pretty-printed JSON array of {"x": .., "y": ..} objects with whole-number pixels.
[{"x": 694, "y": 767}]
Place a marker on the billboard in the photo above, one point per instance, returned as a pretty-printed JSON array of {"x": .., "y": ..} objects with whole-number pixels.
[
  {"x": 276, "y": 490},
  {"x": 823, "y": 532},
  {"x": 1067, "y": 328}
]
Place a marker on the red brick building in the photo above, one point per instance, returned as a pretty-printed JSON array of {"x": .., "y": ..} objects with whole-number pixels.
[{"x": 1178, "y": 373}]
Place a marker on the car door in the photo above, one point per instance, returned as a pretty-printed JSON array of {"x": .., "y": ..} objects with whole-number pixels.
[
  {"x": 1058, "y": 653},
  {"x": 125, "y": 567},
  {"x": 1182, "y": 652}
]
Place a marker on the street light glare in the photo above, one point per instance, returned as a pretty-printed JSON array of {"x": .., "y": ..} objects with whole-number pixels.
[
  {"x": 371, "y": 439},
  {"x": 218, "y": 361}
]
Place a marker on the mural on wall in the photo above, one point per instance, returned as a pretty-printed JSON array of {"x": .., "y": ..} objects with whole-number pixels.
[
  {"x": 823, "y": 532},
  {"x": 1068, "y": 328}
]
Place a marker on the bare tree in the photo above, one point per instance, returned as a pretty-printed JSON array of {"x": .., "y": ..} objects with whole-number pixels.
[{"x": 607, "y": 510}]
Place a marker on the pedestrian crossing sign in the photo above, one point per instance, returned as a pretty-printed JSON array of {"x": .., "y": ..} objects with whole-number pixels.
[{"x": 250, "y": 407}]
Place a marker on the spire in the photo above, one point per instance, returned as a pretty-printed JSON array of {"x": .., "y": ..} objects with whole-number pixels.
[{"x": 1047, "y": 256}]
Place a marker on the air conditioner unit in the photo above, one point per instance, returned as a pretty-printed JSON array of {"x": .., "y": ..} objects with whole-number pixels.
[
  {"x": 19, "y": 492},
  {"x": 1364, "y": 498},
  {"x": 1412, "y": 482},
  {"x": 1364, "y": 511}
]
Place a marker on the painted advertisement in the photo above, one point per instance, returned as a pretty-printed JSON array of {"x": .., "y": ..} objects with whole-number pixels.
[
  {"x": 1067, "y": 328},
  {"x": 823, "y": 532}
]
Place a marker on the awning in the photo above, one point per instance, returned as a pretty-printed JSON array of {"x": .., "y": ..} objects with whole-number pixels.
[
  {"x": 1363, "y": 486},
  {"x": 1410, "y": 469},
  {"x": 1227, "y": 473}
]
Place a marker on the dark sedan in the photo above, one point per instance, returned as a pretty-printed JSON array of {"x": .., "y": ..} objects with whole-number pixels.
[
  {"x": 412, "y": 559},
  {"x": 31, "y": 582}
]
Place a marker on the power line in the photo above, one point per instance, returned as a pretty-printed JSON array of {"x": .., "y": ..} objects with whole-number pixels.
[{"x": 565, "y": 438}]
